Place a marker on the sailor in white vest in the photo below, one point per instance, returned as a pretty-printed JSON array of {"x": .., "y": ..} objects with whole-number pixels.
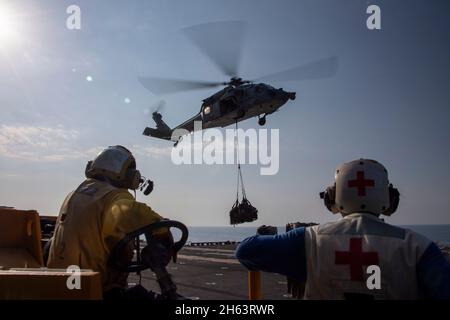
[{"x": 358, "y": 256}]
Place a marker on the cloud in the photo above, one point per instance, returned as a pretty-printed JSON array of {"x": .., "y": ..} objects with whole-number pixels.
[
  {"x": 40, "y": 143},
  {"x": 154, "y": 152},
  {"x": 58, "y": 143}
]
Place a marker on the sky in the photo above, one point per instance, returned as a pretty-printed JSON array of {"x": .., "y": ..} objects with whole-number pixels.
[{"x": 66, "y": 94}]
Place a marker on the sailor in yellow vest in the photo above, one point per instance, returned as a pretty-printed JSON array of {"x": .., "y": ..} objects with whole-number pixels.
[
  {"x": 99, "y": 213},
  {"x": 336, "y": 259}
]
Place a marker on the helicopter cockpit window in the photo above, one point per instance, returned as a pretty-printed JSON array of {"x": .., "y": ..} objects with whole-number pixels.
[{"x": 207, "y": 110}]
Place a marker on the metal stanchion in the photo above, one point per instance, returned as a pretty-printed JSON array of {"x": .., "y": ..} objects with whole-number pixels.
[
  {"x": 254, "y": 277},
  {"x": 254, "y": 285}
]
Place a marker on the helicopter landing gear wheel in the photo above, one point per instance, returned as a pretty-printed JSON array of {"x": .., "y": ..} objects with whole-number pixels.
[{"x": 262, "y": 120}]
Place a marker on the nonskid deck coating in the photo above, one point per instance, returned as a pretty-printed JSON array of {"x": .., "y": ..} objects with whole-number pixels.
[{"x": 213, "y": 273}]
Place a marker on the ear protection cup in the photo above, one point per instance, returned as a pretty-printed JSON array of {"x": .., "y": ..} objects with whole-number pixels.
[
  {"x": 133, "y": 179},
  {"x": 394, "y": 199},
  {"x": 329, "y": 196}
]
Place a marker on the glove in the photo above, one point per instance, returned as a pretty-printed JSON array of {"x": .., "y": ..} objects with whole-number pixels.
[
  {"x": 165, "y": 238},
  {"x": 267, "y": 230}
]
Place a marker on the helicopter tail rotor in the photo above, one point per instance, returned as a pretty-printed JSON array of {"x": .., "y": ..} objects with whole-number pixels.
[
  {"x": 160, "y": 106},
  {"x": 156, "y": 107},
  {"x": 162, "y": 130}
]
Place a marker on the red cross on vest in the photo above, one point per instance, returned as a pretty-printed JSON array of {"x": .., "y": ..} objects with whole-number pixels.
[
  {"x": 356, "y": 258},
  {"x": 361, "y": 183}
]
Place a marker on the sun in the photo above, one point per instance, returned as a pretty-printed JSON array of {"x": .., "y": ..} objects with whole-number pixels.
[{"x": 8, "y": 26}]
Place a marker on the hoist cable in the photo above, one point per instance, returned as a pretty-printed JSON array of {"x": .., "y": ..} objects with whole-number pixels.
[{"x": 240, "y": 180}]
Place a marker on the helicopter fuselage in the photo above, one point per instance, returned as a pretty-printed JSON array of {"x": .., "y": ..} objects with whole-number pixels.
[
  {"x": 228, "y": 106},
  {"x": 238, "y": 103}
]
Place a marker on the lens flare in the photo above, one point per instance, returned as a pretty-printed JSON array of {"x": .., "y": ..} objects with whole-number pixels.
[{"x": 9, "y": 28}]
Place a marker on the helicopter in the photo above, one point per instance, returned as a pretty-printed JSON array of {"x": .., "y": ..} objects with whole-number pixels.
[{"x": 239, "y": 99}]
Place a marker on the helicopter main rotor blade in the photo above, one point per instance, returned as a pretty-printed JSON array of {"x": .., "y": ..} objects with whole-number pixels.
[
  {"x": 221, "y": 42},
  {"x": 164, "y": 85},
  {"x": 323, "y": 68}
]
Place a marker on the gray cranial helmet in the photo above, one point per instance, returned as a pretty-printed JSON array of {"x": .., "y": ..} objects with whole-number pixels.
[{"x": 118, "y": 165}]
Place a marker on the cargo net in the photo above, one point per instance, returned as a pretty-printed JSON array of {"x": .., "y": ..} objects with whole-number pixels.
[{"x": 242, "y": 211}]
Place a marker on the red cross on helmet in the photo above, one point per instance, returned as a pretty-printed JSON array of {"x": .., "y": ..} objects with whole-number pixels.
[{"x": 361, "y": 186}]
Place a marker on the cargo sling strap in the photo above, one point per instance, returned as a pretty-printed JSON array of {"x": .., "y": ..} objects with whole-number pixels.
[{"x": 241, "y": 211}]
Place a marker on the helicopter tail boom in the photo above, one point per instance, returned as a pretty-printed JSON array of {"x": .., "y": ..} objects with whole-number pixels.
[{"x": 156, "y": 133}]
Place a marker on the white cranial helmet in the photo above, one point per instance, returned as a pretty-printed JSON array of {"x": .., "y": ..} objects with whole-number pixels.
[{"x": 362, "y": 186}]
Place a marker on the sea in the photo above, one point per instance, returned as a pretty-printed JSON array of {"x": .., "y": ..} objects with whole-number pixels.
[{"x": 438, "y": 233}]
